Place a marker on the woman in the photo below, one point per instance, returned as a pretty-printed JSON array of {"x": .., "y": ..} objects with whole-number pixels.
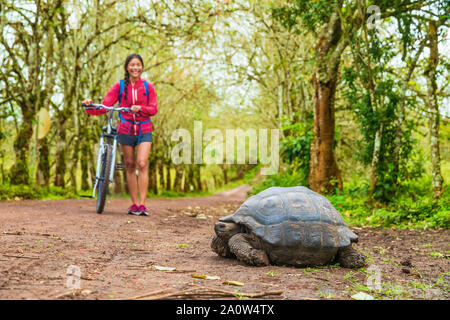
[{"x": 135, "y": 128}]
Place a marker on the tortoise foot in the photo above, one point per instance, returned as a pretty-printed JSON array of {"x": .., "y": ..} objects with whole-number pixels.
[{"x": 241, "y": 247}]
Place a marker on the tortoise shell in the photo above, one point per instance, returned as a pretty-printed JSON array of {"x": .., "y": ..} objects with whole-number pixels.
[{"x": 293, "y": 216}]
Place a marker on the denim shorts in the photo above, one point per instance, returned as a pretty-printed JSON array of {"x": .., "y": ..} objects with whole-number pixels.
[{"x": 132, "y": 140}]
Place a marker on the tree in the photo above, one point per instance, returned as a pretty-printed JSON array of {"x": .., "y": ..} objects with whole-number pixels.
[
  {"x": 432, "y": 102},
  {"x": 334, "y": 20},
  {"x": 26, "y": 25}
]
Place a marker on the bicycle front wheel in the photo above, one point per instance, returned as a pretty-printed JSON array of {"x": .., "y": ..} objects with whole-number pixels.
[{"x": 103, "y": 182}]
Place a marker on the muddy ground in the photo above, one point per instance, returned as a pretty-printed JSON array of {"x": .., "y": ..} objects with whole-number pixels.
[{"x": 62, "y": 249}]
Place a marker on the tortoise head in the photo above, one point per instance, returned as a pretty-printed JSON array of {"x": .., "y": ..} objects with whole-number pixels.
[{"x": 226, "y": 230}]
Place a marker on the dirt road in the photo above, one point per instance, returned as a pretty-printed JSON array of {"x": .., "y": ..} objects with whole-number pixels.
[{"x": 62, "y": 249}]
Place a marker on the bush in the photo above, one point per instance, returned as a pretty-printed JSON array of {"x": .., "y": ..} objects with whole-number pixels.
[
  {"x": 287, "y": 177},
  {"x": 411, "y": 210},
  {"x": 20, "y": 192}
]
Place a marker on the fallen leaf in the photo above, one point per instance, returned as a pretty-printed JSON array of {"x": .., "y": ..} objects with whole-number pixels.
[
  {"x": 160, "y": 268},
  {"x": 233, "y": 283},
  {"x": 206, "y": 277}
]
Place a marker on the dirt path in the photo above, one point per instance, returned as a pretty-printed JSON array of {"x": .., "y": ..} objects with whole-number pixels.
[{"x": 47, "y": 245}]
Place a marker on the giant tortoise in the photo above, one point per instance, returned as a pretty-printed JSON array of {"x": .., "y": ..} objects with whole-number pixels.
[{"x": 287, "y": 226}]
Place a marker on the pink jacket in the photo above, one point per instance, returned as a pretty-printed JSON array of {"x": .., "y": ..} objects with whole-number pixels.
[{"x": 136, "y": 96}]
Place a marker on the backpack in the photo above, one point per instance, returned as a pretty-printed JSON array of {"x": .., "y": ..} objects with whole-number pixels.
[{"x": 122, "y": 87}]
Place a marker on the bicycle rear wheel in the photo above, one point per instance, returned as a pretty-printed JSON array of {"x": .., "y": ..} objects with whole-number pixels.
[{"x": 103, "y": 182}]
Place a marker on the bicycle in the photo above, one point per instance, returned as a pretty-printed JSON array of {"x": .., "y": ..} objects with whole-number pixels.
[{"x": 106, "y": 156}]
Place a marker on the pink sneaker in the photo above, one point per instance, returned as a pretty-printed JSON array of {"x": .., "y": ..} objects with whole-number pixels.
[
  {"x": 134, "y": 209},
  {"x": 143, "y": 210}
]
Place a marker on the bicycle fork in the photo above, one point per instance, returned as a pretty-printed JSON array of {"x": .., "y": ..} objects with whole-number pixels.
[{"x": 101, "y": 152}]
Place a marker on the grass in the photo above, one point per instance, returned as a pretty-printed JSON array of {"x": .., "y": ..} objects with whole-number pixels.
[
  {"x": 19, "y": 192},
  {"x": 325, "y": 293},
  {"x": 238, "y": 296},
  {"x": 271, "y": 273}
]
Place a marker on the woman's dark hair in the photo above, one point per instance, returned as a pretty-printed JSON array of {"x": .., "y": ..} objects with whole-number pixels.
[{"x": 127, "y": 75}]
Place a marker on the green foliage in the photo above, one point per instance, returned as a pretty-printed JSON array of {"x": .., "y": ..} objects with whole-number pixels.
[
  {"x": 296, "y": 145},
  {"x": 379, "y": 108},
  {"x": 295, "y": 151},
  {"x": 288, "y": 176},
  {"x": 312, "y": 14},
  {"x": 414, "y": 208},
  {"x": 20, "y": 192}
]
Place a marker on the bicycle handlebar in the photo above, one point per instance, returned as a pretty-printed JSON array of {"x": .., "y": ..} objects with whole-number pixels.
[{"x": 99, "y": 106}]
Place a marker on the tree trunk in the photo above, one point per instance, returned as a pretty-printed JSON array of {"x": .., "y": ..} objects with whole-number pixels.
[
  {"x": 85, "y": 185},
  {"x": 61, "y": 165},
  {"x": 152, "y": 171},
  {"x": 324, "y": 175},
  {"x": 168, "y": 179},
  {"x": 198, "y": 178},
  {"x": 44, "y": 164},
  {"x": 225, "y": 173},
  {"x": 19, "y": 173},
  {"x": 186, "y": 179},
  {"x": 162, "y": 180},
  {"x": 436, "y": 176},
  {"x": 189, "y": 182},
  {"x": 240, "y": 171},
  {"x": 74, "y": 158},
  {"x": 75, "y": 155},
  {"x": 177, "y": 185},
  {"x": 375, "y": 160},
  {"x": 43, "y": 149},
  {"x": 92, "y": 160}
]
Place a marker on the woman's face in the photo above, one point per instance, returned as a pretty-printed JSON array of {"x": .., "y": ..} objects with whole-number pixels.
[{"x": 134, "y": 68}]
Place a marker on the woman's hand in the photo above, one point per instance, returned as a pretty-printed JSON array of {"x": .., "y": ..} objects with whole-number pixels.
[
  {"x": 87, "y": 101},
  {"x": 136, "y": 108}
]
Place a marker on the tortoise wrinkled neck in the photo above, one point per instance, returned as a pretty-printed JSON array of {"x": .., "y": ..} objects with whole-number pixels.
[{"x": 226, "y": 229}]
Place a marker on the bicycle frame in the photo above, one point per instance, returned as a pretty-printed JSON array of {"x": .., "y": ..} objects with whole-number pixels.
[{"x": 108, "y": 132}]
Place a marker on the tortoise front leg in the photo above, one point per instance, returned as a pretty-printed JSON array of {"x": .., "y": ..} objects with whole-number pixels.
[
  {"x": 242, "y": 248},
  {"x": 220, "y": 246}
]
